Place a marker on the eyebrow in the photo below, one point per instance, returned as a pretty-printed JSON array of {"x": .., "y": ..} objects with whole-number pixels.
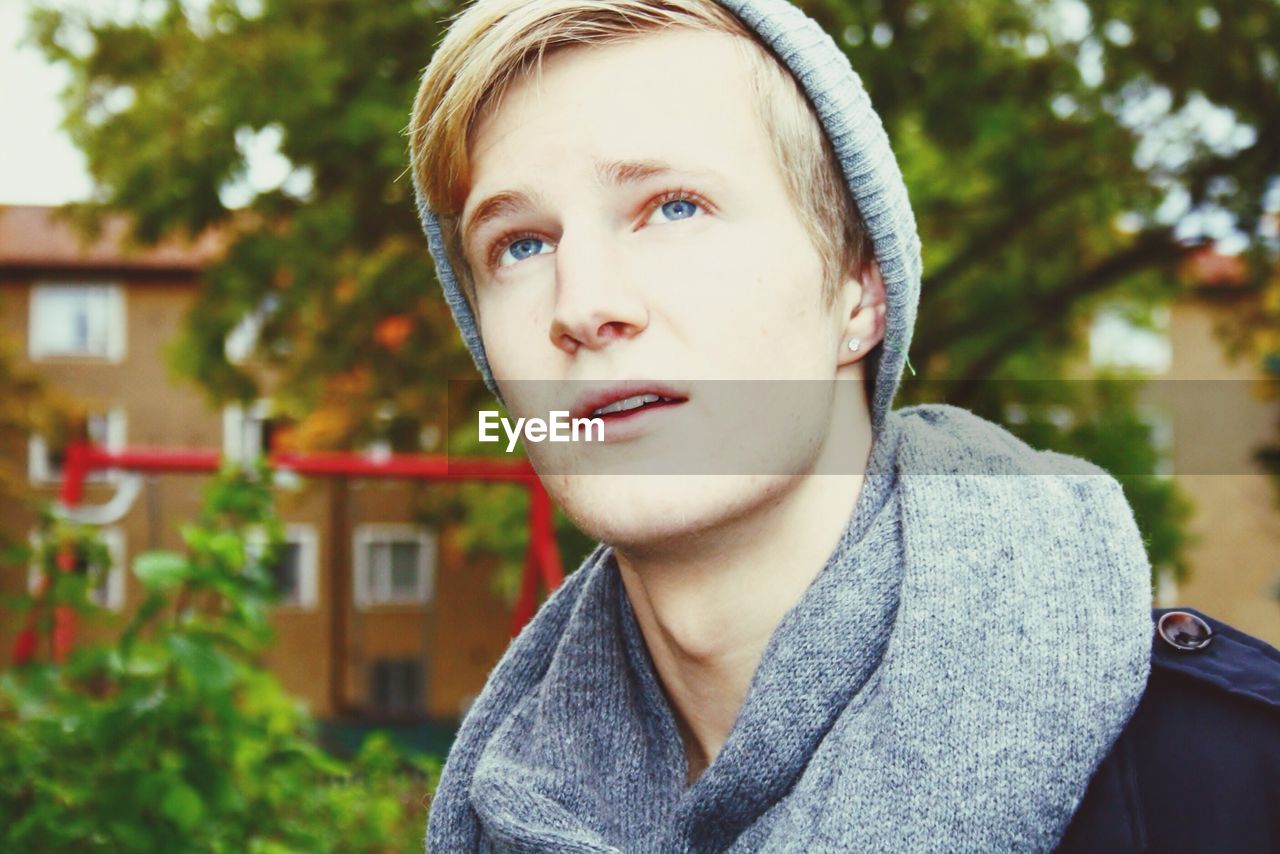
[{"x": 616, "y": 173}]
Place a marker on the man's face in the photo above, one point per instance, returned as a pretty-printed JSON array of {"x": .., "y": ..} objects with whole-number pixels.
[{"x": 647, "y": 234}]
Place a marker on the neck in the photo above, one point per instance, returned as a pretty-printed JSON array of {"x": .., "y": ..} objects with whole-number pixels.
[{"x": 707, "y": 608}]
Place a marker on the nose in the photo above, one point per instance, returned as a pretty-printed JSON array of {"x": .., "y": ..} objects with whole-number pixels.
[{"x": 596, "y": 300}]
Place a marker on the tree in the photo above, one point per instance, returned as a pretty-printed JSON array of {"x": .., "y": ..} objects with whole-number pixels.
[
  {"x": 1093, "y": 141},
  {"x": 1058, "y": 152}
]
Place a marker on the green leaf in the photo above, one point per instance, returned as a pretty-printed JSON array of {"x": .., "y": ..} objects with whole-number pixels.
[
  {"x": 211, "y": 669},
  {"x": 181, "y": 804},
  {"x": 146, "y": 660},
  {"x": 162, "y": 570}
]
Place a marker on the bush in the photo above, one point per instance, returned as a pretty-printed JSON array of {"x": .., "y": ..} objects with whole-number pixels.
[{"x": 174, "y": 737}]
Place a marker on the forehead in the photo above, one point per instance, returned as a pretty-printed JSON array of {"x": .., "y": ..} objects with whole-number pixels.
[{"x": 679, "y": 96}]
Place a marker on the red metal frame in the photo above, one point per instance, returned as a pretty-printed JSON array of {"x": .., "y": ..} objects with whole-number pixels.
[{"x": 542, "y": 556}]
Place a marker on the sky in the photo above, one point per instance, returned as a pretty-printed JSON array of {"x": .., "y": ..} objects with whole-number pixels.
[{"x": 38, "y": 163}]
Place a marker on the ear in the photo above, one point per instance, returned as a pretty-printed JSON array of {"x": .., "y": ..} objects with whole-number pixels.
[{"x": 865, "y": 319}]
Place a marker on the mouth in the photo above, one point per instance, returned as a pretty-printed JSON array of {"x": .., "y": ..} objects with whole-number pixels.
[
  {"x": 626, "y": 400},
  {"x": 622, "y": 408}
]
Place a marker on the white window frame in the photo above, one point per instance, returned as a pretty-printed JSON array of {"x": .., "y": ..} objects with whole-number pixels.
[
  {"x": 373, "y": 592},
  {"x": 242, "y": 340},
  {"x": 242, "y": 429},
  {"x": 307, "y": 540},
  {"x": 40, "y": 472},
  {"x": 39, "y": 349},
  {"x": 111, "y": 594}
]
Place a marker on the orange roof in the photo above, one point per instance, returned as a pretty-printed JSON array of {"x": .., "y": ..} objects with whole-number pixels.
[
  {"x": 1206, "y": 267},
  {"x": 34, "y": 236}
]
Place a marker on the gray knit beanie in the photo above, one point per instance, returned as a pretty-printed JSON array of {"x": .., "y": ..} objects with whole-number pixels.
[{"x": 862, "y": 147}]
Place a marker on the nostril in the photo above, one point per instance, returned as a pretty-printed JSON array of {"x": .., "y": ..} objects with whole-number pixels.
[
  {"x": 566, "y": 342},
  {"x": 614, "y": 329}
]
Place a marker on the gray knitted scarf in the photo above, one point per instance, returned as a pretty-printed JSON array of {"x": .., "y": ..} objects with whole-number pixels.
[{"x": 951, "y": 679}]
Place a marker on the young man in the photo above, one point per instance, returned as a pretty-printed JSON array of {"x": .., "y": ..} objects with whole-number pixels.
[{"x": 936, "y": 647}]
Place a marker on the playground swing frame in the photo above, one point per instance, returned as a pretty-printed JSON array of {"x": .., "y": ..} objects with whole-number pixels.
[{"x": 542, "y": 555}]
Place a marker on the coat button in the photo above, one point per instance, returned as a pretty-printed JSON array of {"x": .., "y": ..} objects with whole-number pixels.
[{"x": 1184, "y": 631}]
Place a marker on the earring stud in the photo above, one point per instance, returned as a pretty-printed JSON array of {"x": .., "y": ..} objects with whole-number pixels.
[{"x": 855, "y": 344}]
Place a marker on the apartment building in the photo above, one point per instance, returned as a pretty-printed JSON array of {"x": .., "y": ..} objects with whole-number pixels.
[{"x": 381, "y": 618}]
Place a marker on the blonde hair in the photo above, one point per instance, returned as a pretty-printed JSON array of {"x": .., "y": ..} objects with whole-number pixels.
[{"x": 493, "y": 43}]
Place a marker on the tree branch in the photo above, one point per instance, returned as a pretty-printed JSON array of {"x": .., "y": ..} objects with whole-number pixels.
[
  {"x": 1001, "y": 233},
  {"x": 1156, "y": 246}
]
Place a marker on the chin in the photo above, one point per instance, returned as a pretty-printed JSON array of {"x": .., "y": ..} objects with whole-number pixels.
[{"x": 651, "y": 514}]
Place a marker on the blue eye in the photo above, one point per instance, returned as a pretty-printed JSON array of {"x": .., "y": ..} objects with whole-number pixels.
[
  {"x": 518, "y": 250},
  {"x": 677, "y": 209},
  {"x": 520, "y": 247}
]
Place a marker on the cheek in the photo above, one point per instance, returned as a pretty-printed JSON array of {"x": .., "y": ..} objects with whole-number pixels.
[
  {"x": 508, "y": 323},
  {"x": 737, "y": 287}
]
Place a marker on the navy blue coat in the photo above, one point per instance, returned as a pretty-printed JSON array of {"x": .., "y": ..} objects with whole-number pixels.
[{"x": 1197, "y": 768}]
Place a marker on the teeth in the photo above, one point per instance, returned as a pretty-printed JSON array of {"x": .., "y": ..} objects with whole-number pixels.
[{"x": 633, "y": 402}]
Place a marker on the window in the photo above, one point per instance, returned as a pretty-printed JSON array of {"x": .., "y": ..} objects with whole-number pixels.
[
  {"x": 395, "y": 686},
  {"x": 295, "y": 566},
  {"x": 395, "y": 564},
  {"x": 286, "y": 571},
  {"x": 399, "y": 433},
  {"x": 107, "y": 429},
  {"x": 108, "y": 592},
  {"x": 77, "y": 320},
  {"x": 1118, "y": 340},
  {"x": 248, "y": 432},
  {"x": 241, "y": 341}
]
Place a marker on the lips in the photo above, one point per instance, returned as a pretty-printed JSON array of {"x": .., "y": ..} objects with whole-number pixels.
[{"x": 622, "y": 399}]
